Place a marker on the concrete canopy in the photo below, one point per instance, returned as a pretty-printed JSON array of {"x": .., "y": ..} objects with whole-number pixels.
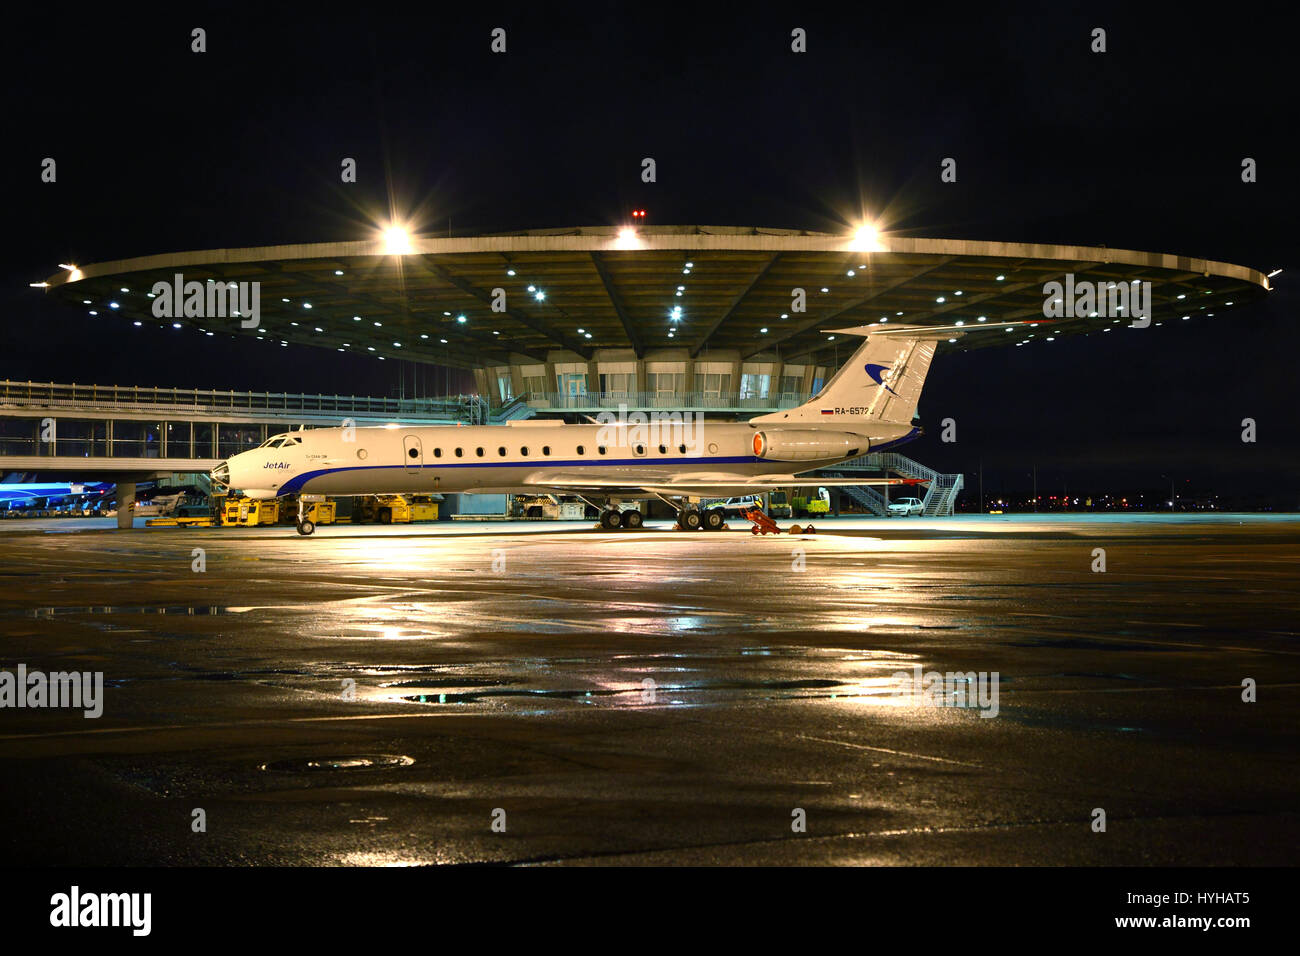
[{"x": 603, "y": 288}]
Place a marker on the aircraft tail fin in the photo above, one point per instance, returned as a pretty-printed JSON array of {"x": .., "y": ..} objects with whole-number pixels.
[{"x": 882, "y": 382}]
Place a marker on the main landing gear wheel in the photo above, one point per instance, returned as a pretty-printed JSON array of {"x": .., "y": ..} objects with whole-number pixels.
[
  {"x": 611, "y": 520},
  {"x": 714, "y": 519},
  {"x": 632, "y": 519},
  {"x": 689, "y": 520},
  {"x": 306, "y": 527}
]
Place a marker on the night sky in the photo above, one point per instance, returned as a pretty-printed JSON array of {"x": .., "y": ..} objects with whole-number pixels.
[{"x": 160, "y": 150}]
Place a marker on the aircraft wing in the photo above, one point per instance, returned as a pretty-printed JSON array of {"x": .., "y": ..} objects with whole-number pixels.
[{"x": 695, "y": 484}]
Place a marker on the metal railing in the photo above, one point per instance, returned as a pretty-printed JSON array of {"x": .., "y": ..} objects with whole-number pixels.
[
  {"x": 595, "y": 401},
  {"x": 146, "y": 398},
  {"x": 941, "y": 496},
  {"x": 941, "y": 490}
]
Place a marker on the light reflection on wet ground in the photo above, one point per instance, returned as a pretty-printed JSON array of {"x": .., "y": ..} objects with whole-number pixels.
[{"x": 685, "y": 691}]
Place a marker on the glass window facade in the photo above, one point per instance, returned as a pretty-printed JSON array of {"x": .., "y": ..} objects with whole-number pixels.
[
  {"x": 81, "y": 438},
  {"x": 232, "y": 439},
  {"x": 132, "y": 439}
]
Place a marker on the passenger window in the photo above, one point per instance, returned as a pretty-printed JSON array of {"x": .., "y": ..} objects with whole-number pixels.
[
  {"x": 600, "y": 449},
  {"x": 437, "y": 453},
  {"x": 546, "y": 449},
  {"x": 580, "y": 451},
  {"x": 523, "y": 452},
  {"x": 682, "y": 449},
  {"x": 460, "y": 453},
  {"x": 414, "y": 453},
  {"x": 663, "y": 449},
  {"x": 479, "y": 452}
]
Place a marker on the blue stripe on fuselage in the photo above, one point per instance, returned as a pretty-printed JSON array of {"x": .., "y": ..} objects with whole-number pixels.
[{"x": 295, "y": 484}]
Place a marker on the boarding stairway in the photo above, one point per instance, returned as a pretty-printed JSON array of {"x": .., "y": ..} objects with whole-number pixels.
[{"x": 941, "y": 491}]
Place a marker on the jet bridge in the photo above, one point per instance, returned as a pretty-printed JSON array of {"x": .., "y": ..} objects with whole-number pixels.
[{"x": 129, "y": 434}]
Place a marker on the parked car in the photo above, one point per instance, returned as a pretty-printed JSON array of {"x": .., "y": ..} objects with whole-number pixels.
[
  {"x": 903, "y": 507},
  {"x": 734, "y": 506}
]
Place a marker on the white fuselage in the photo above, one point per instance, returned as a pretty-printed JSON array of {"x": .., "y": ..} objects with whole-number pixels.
[{"x": 527, "y": 457}]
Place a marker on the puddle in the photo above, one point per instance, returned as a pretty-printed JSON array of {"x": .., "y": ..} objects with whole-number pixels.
[
  {"x": 178, "y": 609},
  {"x": 448, "y": 682},
  {"x": 352, "y": 762},
  {"x": 1083, "y": 644}
]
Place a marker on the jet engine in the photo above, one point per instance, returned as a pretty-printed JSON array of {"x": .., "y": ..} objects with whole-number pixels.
[{"x": 808, "y": 445}]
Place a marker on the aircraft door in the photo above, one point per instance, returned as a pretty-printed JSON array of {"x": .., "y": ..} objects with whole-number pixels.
[{"x": 412, "y": 454}]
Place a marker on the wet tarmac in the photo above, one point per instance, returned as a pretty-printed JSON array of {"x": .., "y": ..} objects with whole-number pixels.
[{"x": 543, "y": 693}]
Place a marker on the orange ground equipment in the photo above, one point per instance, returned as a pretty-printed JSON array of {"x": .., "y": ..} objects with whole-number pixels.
[{"x": 765, "y": 525}]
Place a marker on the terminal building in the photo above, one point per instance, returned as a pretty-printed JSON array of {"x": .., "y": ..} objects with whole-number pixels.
[{"x": 727, "y": 321}]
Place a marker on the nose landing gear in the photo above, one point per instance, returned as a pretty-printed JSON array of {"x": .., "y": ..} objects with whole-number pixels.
[{"x": 304, "y": 524}]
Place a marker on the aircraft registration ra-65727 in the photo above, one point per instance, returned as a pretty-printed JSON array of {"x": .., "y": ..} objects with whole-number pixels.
[{"x": 868, "y": 405}]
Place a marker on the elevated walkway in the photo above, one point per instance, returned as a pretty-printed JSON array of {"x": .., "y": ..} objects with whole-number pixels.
[
  {"x": 112, "y": 430},
  {"x": 939, "y": 497}
]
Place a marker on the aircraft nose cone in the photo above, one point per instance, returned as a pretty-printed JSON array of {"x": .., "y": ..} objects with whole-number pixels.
[{"x": 221, "y": 474}]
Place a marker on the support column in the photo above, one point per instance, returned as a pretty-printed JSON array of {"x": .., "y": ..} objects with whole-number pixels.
[{"x": 125, "y": 504}]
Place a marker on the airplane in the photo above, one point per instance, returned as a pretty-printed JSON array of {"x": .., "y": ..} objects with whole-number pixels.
[
  {"x": 17, "y": 494},
  {"x": 867, "y": 406}
]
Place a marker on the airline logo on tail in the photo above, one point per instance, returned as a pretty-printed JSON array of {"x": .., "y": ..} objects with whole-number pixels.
[{"x": 877, "y": 372}]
